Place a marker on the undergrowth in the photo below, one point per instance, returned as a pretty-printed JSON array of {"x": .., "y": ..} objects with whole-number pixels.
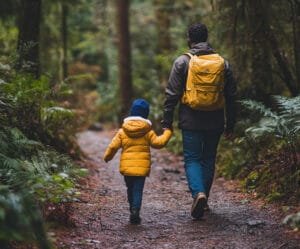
[
  {"x": 265, "y": 153},
  {"x": 35, "y": 132}
]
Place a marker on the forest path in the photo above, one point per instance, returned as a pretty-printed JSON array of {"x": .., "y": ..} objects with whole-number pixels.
[{"x": 101, "y": 221}]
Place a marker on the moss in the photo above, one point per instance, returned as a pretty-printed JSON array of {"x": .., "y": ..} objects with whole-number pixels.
[
  {"x": 267, "y": 172},
  {"x": 274, "y": 196},
  {"x": 251, "y": 180}
]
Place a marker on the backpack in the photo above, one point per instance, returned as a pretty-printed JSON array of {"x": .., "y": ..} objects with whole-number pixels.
[{"x": 205, "y": 83}]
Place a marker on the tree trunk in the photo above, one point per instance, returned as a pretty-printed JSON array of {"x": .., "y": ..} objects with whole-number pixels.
[
  {"x": 28, "y": 41},
  {"x": 125, "y": 80},
  {"x": 261, "y": 65},
  {"x": 162, "y": 16},
  {"x": 296, "y": 35},
  {"x": 64, "y": 36},
  {"x": 282, "y": 64}
]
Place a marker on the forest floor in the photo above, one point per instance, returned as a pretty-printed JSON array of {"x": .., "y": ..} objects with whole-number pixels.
[{"x": 236, "y": 221}]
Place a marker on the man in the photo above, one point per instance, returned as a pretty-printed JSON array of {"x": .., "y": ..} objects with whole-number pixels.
[{"x": 202, "y": 127}]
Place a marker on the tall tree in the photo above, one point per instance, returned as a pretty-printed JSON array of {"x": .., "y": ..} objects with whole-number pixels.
[
  {"x": 28, "y": 41},
  {"x": 289, "y": 77},
  {"x": 283, "y": 64},
  {"x": 125, "y": 78},
  {"x": 162, "y": 16},
  {"x": 64, "y": 36},
  {"x": 163, "y": 10},
  {"x": 266, "y": 46},
  {"x": 8, "y": 8},
  {"x": 258, "y": 25},
  {"x": 295, "y": 7}
]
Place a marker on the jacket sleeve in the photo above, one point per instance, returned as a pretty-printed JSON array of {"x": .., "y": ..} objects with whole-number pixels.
[
  {"x": 158, "y": 142},
  {"x": 113, "y": 147},
  {"x": 230, "y": 92},
  {"x": 174, "y": 89}
]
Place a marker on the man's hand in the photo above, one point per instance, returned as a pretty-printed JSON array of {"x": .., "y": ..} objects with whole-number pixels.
[{"x": 166, "y": 125}]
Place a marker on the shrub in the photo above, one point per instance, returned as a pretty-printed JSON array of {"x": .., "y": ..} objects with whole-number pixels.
[
  {"x": 30, "y": 173},
  {"x": 29, "y": 105},
  {"x": 20, "y": 219},
  {"x": 265, "y": 153},
  {"x": 33, "y": 174}
]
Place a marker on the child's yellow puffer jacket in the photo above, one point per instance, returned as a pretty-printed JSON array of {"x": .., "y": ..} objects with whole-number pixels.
[{"x": 135, "y": 137}]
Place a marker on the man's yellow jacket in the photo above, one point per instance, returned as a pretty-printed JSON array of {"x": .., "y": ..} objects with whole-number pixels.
[{"x": 135, "y": 138}]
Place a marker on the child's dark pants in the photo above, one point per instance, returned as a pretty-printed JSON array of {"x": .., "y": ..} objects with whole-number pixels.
[{"x": 135, "y": 186}]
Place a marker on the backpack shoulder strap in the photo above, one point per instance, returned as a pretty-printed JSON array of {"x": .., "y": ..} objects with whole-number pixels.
[{"x": 189, "y": 55}]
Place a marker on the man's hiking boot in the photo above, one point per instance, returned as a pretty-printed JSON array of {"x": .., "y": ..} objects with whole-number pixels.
[
  {"x": 135, "y": 216},
  {"x": 198, "y": 205}
]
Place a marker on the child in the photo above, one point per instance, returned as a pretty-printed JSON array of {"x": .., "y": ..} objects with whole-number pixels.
[{"x": 135, "y": 137}]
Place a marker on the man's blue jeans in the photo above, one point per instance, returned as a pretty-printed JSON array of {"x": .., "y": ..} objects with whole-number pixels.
[
  {"x": 200, "y": 149},
  {"x": 135, "y": 187}
]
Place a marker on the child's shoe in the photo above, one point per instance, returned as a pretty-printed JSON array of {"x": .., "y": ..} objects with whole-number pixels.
[{"x": 135, "y": 216}]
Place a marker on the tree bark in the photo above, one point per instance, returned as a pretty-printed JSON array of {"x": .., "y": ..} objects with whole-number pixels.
[
  {"x": 64, "y": 36},
  {"x": 296, "y": 37},
  {"x": 28, "y": 41},
  {"x": 261, "y": 65},
  {"x": 282, "y": 64},
  {"x": 162, "y": 16},
  {"x": 125, "y": 78}
]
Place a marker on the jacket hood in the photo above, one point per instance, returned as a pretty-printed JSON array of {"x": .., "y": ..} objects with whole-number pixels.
[
  {"x": 135, "y": 127},
  {"x": 201, "y": 48}
]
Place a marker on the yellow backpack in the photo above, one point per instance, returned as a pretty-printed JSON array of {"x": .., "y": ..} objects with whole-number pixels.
[{"x": 205, "y": 83}]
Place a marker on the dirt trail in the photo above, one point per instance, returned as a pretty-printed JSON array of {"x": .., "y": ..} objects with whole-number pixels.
[{"x": 101, "y": 221}]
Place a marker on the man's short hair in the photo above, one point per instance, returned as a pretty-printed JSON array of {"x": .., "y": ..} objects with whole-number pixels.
[{"x": 197, "y": 32}]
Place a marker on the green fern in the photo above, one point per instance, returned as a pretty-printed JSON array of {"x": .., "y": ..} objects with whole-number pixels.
[
  {"x": 28, "y": 104},
  {"x": 30, "y": 173},
  {"x": 283, "y": 123},
  {"x": 258, "y": 107},
  {"x": 266, "y": 151},
  {"x": 18, "y": 212}
]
